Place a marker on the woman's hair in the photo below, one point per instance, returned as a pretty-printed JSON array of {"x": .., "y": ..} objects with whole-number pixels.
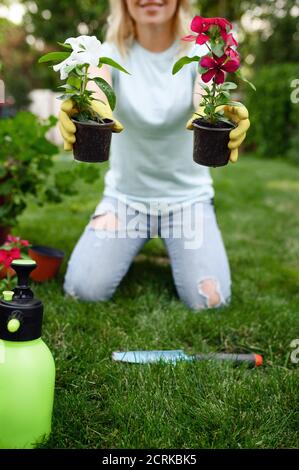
[{"x": 121, "y": 29}]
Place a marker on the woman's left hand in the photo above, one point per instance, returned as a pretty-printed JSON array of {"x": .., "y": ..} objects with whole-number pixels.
[{"x": 237, "y": 114}]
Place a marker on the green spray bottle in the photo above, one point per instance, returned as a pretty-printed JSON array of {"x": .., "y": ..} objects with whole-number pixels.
[{"x": 27, "y": 369}]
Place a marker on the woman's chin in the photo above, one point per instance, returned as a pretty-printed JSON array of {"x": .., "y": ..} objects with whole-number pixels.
[{"x": 152, "y": 20}]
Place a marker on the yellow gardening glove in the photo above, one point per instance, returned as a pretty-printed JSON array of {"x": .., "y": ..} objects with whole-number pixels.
[
  {"x": 68, "y": 128},
  {"x": 237, "y": 114}
]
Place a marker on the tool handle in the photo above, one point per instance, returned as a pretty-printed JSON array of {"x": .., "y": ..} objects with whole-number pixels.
[{"x": 253, "y": 360}]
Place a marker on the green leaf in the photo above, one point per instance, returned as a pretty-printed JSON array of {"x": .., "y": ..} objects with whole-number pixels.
[
  {"x": 65, "y": 97},
  {"x": 107, "y": 90},
  {"x": 100, "y": 101},
  {"x": 74, "y": 81},
  {"x": 239, "y": 74},
  {"x": 184, "y": 61},
  {"x": 223, "y": 119},
  {"x": 218, "y": 50},
  {"x": 223, "y": 94},
  {"x": 112, "y": 63},
  {"x": 71, "y": 68},
  {"x": 223, "y": 102},
  {"x": 66, "y": 46},
  {"x": 206, "y": 88},
  {"x": 54, "y": 57},
  {"x": 229, "y": 86},
  {"x": 67, "y": 86}
]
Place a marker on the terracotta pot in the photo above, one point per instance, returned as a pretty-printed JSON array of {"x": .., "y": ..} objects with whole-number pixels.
[
  {"x": 48, "y": 262},
  {"x": 211, "y": 143},
  {"x": 92, "y": 141}
]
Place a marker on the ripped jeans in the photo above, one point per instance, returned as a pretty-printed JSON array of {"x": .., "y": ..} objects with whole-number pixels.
[{"x": 193, "y": 241}]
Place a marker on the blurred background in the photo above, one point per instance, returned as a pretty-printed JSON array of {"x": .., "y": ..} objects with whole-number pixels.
[
  {"x": 47, "y": 198},
  {"x": 268, "y": 33}
]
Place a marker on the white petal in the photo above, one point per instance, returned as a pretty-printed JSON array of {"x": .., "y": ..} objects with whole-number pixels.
[
  {"x": 71, "y": 60},
  {"x": 74, "y": 43}
]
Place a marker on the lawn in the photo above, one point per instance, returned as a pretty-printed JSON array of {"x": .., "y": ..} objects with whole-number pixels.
[{"x": 101, "y": 404}]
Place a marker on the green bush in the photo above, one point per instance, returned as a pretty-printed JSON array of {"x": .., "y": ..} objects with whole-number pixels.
[
  {"x": 274, "y": 118},
  {"x": 27, "y": 167}
]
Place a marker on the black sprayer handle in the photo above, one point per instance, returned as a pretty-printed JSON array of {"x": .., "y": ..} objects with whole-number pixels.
[
  {"x": 23, "y": 269},
  {"x": 253, "y": 360}
]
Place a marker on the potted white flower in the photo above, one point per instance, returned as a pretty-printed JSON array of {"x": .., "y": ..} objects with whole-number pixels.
[{"x": 93, "y": 135}]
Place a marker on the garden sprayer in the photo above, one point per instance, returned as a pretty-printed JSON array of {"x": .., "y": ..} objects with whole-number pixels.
[{"x": 27, "y": 369}]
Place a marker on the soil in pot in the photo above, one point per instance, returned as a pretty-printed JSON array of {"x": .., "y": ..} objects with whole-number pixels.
[
  {"x": 93, "y": 141},
  {"x": 48, "y": 262},
  {"x": 210, "y": 147}
]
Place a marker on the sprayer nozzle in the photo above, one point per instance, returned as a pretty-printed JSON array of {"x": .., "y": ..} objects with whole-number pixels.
[
  {"x": 8, "y": 295},
  {"x": 23, "y": 268}
]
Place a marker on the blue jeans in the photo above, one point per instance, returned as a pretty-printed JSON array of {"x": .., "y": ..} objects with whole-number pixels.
[{"x": 193, "y": 241}]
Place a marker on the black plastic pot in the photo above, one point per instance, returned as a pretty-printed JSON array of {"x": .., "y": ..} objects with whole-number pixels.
[
  {"x": 93, "y": 141},
  {"x": 210, "y": 147}
]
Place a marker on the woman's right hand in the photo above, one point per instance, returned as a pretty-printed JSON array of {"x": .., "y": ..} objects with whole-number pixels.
[{"x": 67, "y": 127}]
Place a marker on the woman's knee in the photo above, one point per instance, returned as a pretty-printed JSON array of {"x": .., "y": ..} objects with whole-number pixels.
[
  {"x": 206, "y": 294},
  {"x": 81, "y": 287}
]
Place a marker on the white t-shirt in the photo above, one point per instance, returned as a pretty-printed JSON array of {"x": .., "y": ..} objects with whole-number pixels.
[{"x": 151, "y": 160}]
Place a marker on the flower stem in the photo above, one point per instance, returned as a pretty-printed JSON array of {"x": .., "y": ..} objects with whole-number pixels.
[
  {"x": 213, "y": 96},
  {"x": 85, "y": 78}
]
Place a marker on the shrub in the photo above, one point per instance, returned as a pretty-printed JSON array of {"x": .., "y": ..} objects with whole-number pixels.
[
  {"x": 26, "y": 166},
  {"x": 274, "y": 118}
]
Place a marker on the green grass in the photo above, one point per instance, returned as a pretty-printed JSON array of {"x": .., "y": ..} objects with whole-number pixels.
[{"x": 101, "y": 404}]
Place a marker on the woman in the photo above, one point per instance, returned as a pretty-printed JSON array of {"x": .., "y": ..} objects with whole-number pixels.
[{"x": 153, "y": 186}]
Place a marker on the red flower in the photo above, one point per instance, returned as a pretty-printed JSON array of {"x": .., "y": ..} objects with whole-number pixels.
[
  {"x": 12, "y": 239},
  {"x": 6, "y": 257},
  {"x": 202, "y": 25},
  {"x": 3, "y": 256},
  {"x": 228, "y": 39},
  {"x": 217, "y": 66},
  {"x": 233, "y": 54}
]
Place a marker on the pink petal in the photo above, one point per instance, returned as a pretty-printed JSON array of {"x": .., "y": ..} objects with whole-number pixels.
[
  {"x": 229, "y": 39},
  {"x": 219, "y": 77},
  {"x": 232, "y": 54},
  {"x": 223, "y": 23},
  {"x": 202, "y": 39},
  {"x": 196, "y": 24},
  {"x": 207, "y": 62},
  {"x": 231, "y": 66},
  {"x": 220, "y": 60},
  {"x": 207, "y": 76},
  {"x": 190, "y": 37}
]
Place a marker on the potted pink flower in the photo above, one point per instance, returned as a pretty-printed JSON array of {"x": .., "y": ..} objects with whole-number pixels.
[{"x": 212, "y": 127}]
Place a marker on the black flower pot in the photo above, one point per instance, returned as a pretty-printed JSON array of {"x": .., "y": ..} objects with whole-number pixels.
[
  {"x": 210, "y": 146},
  {"x": 93, "y": 141}
]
